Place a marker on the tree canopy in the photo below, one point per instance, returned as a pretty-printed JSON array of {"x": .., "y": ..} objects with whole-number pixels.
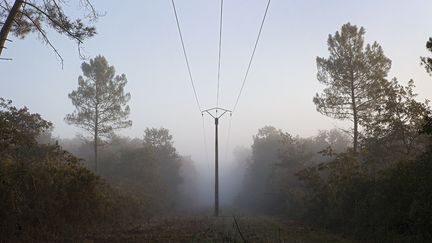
[
  {"x": 22, "y": 17},
  {"x": 354, "y": 75},
  {"x": 100, "y": 101}
]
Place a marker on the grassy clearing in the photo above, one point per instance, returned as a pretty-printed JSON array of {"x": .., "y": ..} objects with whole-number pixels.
[{"x": 221, "y": 229}]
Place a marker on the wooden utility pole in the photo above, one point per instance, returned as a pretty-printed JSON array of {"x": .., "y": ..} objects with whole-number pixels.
[
  {"x": 216, "y": 119},
  {"x": 216, "y": 209}
]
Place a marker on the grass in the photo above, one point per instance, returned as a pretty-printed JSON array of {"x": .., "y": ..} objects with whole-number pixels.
[{"x": 220, "y": 229}]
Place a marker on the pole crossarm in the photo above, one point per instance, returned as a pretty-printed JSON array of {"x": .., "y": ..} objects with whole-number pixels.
[{"x": 216, "y": 109}]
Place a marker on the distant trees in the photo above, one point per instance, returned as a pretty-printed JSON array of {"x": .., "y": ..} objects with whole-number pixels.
[
  {"x": 355, "y": 76},
  {"x": 128, "y": 165},
  {"x": 269, "y": 179},
  {"x": 100, "y": 102},
  {"x": 148, "y": 167},
  {"x": 160, "y": 141},
  {"x": 22, "y": 17},
  {"x": 167, "y": 161},
  {"x": 260, "y": 191}
]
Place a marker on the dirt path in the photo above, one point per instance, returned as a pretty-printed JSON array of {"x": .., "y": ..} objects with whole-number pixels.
[{"x": 220, "y": 229}]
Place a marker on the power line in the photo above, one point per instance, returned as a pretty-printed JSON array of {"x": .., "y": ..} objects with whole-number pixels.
[
  {"x": 205, "y": 144},
  {"x": 220, "y": 47},
  {"x": 206, "y": 152},
  {"x": 253, "y": 54},
  {"x": 228, "y": 138},
  {"x": 216, "y": 116},
  {"x": 185, "y": 55}
]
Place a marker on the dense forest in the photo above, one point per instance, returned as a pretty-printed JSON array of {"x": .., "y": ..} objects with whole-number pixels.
[{"x": 372, "y": 182}]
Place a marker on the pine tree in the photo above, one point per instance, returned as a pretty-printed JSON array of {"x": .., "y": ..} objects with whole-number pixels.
[
  {"x": 355, "y": 76},
  {"x": 100, "y": 101}
]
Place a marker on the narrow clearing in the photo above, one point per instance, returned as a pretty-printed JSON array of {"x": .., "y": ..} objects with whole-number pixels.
[{"x": 220, "y": 229}]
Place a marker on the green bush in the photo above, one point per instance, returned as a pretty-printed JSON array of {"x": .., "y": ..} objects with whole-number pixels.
[
  {"x": 45, "y": 192},
  {"x": 394, "y": 204}
]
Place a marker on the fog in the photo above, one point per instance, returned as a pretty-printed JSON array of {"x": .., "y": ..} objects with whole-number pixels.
[{"x": 328, "y": 102}]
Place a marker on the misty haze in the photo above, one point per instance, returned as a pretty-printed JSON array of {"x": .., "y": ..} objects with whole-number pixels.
[{"x": 215, "y": 121}]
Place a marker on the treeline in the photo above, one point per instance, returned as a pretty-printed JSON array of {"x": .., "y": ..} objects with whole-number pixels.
[
  {"x": 274, "y": 159},
  {"x": 149, "y": 167},
  {"x": 47, "y": 194},
  {"x": 373, "y": 182}
]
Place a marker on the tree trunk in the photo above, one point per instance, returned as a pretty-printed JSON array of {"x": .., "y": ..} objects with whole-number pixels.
[
  {"x": 95, "y": 151},
  {"x": 96, "y": 140},
  {"x": 8, "y": 23},
  {"x": 355, "y": 115},
  {"x": 355, "y": 142}
]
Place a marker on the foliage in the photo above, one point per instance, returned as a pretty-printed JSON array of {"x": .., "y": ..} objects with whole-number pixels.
[
  {"x": 133, "y": 168},
  {"x": 38, "y": 16},
  {"x": 100, "y": 101},
  {"x": 168, "y": 162},
  {"x": 18, "y": 127},
  {"x": 427, "y": 61},
  {"x": 393, "y": 132},
  {"x": 276, "y": 156},
  {"x": 381, "y": 192},
  {"x": 45, "y": 192},
  {"x": 358, "y": 195},
  {"x": 354, "y": 75},
  {"x": 160, "y": 142},
  {"x": 391, "y": 206},
  {"x": 259, "y": 189},
  {"x": 149, "y": 168},
  {"x": 34, "y": 14}
]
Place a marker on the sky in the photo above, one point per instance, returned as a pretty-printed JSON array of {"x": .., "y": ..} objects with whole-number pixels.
[{"x": 140, "y": 39}]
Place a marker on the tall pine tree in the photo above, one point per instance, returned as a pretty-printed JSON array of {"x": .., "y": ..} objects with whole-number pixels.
[
  {"x": 355, "y": 76},
  {"x": 100, "y": 101}
]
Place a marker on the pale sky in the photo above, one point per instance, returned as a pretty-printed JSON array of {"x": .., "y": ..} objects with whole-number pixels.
[{"x": 140, "y": 39}]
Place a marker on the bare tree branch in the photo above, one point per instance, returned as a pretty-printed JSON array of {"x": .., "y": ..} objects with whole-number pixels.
[
  {"x": 55, "y": 22},
  {"x": 94, "y": 15},
  {"x": 42, "y": 32}
]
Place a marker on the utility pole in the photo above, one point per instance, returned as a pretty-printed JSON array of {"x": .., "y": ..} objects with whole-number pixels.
[{"x": 216, "y": 119}]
